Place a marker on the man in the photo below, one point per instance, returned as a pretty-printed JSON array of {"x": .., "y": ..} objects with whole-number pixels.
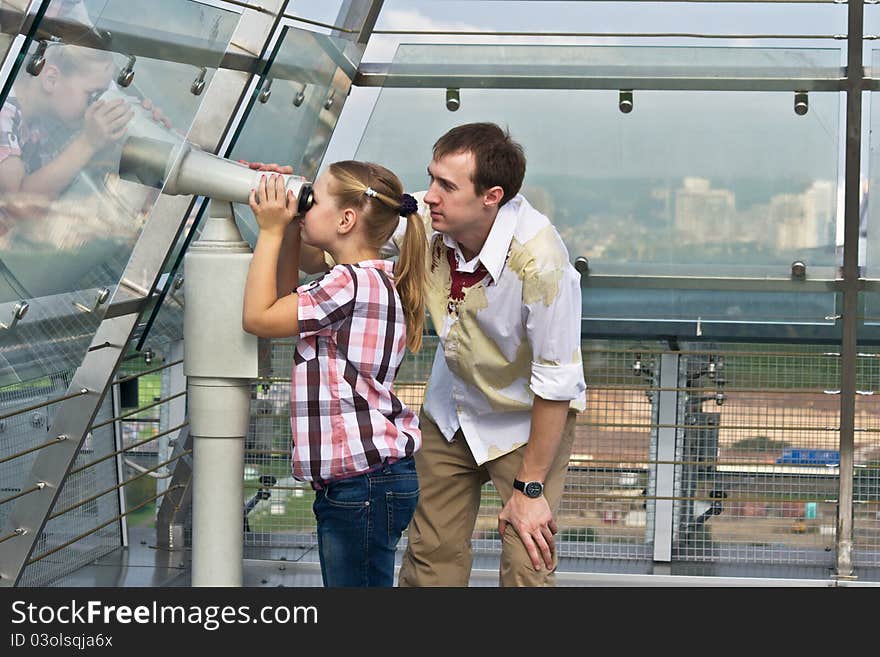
[{"x": 507, "y": 378}]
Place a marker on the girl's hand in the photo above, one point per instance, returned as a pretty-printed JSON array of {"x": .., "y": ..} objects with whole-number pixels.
[{"x": 273, "y": 206}]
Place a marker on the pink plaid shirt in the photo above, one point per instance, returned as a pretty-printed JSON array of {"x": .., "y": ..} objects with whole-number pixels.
[{"x": 344, "y": 417}]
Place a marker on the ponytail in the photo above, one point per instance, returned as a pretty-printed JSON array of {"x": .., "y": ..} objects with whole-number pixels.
[{"x": 410, "y": 279}]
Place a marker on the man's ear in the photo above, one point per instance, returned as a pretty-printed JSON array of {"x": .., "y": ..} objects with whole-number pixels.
[
  {"x": 493, "y": 196},
  {"x": 347, "y": 221},
  {"x": 49, "y": 77}
]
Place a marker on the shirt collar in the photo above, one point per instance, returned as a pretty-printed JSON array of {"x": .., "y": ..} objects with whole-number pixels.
[{"x": 493, "y": 255}]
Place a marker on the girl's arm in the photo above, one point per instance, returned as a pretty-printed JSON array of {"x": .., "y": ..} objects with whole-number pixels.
[
  {"x": 287, "y": 277},
  {"x": 265, "y": 314}
]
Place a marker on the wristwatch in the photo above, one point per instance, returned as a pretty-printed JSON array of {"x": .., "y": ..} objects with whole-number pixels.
[{"x": 531, "y": 489}]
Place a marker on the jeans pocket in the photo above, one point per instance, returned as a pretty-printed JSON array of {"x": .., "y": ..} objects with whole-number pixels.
[
  {"x": 401, "y": 507},
  {"x": 349, "y": 493}
]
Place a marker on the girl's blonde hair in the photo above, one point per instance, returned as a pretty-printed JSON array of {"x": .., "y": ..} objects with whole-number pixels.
[{"x": 378, "y": 196}]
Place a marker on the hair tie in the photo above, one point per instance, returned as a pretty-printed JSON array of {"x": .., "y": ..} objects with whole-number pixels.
[
  {"x": 408, "y": 205},
  {"x": 372, "y": 193}
]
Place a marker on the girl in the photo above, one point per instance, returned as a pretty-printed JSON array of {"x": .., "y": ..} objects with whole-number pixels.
[{"x": 352, "y": 437}]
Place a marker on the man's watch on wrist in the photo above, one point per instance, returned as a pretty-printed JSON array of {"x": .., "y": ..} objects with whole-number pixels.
[{"x": 532, "y": 489}]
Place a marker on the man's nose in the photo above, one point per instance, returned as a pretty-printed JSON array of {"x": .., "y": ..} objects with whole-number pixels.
[{"x": 430, "y": 197}]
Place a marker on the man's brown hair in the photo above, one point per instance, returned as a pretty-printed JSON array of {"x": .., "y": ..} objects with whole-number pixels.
[{"x": 498, "y": 159}]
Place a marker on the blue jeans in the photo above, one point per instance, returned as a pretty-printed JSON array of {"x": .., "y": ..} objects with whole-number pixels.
[{"x": 360, "y": 520}]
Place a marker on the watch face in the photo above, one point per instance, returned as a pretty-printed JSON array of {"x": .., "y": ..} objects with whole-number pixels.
[{"x": 534, "y": 489}]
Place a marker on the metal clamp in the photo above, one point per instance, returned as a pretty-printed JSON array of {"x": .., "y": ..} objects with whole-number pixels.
[
  {"x": 18, "y": 311},
  {"x": 266, "y": 92},
  {"x": 300, "y": 95},
  {"x": 103, "y": 295},
  {"x": 126, "y": 75},
  {"x": 198, "y": 85},
  {"x": 38, "y": 59}
]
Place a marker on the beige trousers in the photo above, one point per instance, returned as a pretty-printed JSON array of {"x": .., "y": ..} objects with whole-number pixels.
[{"x": 439, "y": 549}]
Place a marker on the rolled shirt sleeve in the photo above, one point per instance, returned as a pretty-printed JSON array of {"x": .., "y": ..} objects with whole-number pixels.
[{"x": 552, "y": 304}]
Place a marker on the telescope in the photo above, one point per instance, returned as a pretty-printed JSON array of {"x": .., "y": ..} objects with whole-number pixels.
[{"x": 183, "y": 168}]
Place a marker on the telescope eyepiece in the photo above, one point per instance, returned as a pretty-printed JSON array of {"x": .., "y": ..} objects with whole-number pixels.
[{"x": 306, "y": 199}]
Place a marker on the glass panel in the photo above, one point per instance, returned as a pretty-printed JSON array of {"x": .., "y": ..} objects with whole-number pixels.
[
  {"x": 613, "y": 62},
  {"x": 294, "y": 124},
  {"x": 11, "y": 19},
  {"x": 690, "y": 183},
  {"x": 709, "y": 183},
  {"x": 347, "y": 15},
  {"x": 869, "y": 230},
  {"x": 69, "y": 222},
  {"x": 605, "y": 17},
  {"x": 324, "y": 11}
]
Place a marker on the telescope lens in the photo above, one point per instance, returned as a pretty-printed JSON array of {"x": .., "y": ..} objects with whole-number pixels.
[{"x": 306, "y": 198}]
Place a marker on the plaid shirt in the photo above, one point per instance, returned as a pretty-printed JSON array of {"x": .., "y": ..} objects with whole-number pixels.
[
  {"x": 345, "y": 420},
  {"x": 18, "y": 138}
]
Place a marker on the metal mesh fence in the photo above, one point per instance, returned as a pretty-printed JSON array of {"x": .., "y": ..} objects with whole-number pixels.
[
  {"x": 756, "y": 456},
  {"x": 756, "y": 459},
  {"x": 866, "y": 461}
]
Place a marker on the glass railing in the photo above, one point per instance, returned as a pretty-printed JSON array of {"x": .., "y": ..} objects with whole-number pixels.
[
  {"x": 870, "y": 216},
  {"x": 69, "y": 221},
  {"x": 701, "y": 178}
]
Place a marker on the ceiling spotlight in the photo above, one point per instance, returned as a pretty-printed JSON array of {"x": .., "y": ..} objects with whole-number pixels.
[
  {"x": 453, "y": 99},
  {"x": 801, "y": 103},
  {"x": 625, "y": 102}
]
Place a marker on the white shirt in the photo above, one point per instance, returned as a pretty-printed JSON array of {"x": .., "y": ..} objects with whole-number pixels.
[{"x": 514, "y": 335}]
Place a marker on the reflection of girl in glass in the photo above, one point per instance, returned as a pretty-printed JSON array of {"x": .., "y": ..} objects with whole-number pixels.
[{"x": 63, "y": 94}]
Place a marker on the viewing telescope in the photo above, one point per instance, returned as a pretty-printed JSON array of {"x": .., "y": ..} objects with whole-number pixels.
[{"x": 183, "y": 168}]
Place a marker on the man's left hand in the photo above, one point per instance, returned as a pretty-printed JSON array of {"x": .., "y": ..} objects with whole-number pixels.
[{"x": 534, "y": 524}]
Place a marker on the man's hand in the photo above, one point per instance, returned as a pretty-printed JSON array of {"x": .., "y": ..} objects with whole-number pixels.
[
  {"x": 275, "y": 168},
  {"x": 272, "y": 204},
  {"x": 155, "y": 112},
  {"x": 105, "y": 122},
  {"x": 534, "y": 523}
]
